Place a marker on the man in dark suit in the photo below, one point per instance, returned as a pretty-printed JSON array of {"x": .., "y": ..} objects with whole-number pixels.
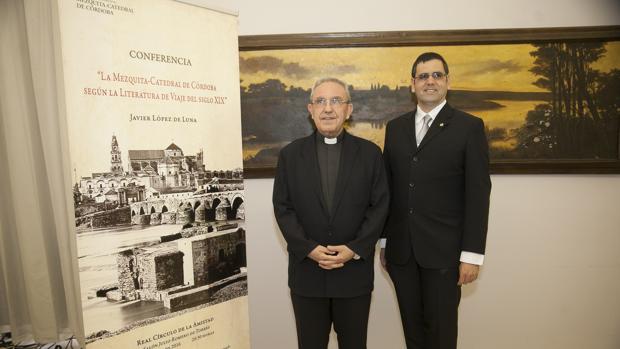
[
  {"x": 330, "y": 199},
  {"x": 437, "y": 165}
]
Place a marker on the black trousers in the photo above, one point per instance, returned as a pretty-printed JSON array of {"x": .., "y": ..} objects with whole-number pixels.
[
  {"x": 314, "y": 317},
  {"x": 428, "y": 300}
]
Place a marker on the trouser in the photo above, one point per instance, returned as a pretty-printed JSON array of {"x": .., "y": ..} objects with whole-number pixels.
[
  {"x": 428, "y": 300},
  {"x": 314, "y": 317}
]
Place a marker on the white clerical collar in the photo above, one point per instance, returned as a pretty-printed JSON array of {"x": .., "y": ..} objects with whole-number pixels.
[{"x": 328, "y": 140}]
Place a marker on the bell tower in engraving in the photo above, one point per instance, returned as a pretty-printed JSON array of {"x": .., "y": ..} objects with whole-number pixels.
[{"x": 116, "y": 165}]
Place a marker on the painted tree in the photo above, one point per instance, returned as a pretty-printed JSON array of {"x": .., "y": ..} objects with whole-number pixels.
[{"x": 575, "y": 122}]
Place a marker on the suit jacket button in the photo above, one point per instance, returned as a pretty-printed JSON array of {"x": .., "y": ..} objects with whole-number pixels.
[
  {"x": 410, "y": 185},
  {"x": 410, "y": 211},
  {"x": 415, "y": 159}
]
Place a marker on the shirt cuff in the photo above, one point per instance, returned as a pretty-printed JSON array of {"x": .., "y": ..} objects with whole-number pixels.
[
  {"x": 472, "y": 258},
  {"x": 382, "y": 242}
]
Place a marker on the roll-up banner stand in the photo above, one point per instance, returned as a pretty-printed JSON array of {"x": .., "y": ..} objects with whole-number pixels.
[{"x": 154, "y": 124}]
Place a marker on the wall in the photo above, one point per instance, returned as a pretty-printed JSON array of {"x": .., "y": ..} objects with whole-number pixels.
[
  {"x": 104, "y": 218},
  {"x": 552, "y": 273}
]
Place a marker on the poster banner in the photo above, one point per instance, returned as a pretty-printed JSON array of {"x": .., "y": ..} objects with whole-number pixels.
[{"x": 153, "y": 111}]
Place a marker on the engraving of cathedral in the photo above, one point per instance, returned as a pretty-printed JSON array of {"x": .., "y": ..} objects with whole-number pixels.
[
  {"x": 182, "y": 229},
  {"x": 153, "y": 173},
  {"x": 160, "y": 185}
]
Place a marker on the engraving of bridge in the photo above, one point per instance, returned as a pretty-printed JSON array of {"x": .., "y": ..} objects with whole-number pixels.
[{"x": 210, "y": 201}]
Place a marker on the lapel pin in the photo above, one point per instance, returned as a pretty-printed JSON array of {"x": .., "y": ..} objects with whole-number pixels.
[{"x": 441, "y": 125}]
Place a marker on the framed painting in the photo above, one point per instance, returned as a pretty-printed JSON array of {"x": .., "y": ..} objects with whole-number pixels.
[{"x": 549, "y": 97}]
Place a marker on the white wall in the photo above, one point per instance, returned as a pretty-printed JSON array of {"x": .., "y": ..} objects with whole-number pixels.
[
  {"x": 552, "y": 273},
  {"x": 319, "y": 16}
]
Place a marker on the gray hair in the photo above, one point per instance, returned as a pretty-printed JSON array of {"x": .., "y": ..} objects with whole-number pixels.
[{"x": 334, "y": 80}]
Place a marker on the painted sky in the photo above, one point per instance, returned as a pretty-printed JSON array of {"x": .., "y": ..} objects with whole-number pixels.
[{"x": 472, "y": 67}]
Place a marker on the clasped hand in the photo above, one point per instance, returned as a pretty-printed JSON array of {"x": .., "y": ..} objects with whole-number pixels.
[{"x": 331, "y": 257}]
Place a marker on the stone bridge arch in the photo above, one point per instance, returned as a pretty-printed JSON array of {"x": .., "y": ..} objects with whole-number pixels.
[
  {"x": 211, "y": 210},
  {"x": 201, "y": 208},
  {"x": 237, "y": 209}
]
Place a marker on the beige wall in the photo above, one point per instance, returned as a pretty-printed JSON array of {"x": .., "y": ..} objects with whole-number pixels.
[{"x": 551, "y": 278}]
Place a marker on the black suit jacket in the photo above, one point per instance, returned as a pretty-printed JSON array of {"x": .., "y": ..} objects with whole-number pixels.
[
  {"x": 439, "y": 190},
  {"x": 360, "y": 207}
]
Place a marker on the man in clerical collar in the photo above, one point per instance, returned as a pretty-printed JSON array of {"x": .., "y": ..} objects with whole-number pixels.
[{"x": 330, "y": 200}]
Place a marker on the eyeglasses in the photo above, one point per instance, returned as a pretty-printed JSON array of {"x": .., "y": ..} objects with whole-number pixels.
[
  {"x": 437, "y": 75},
  {"x": 334, "y": 102}
]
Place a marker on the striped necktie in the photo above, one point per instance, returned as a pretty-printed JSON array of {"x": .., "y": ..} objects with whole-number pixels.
[{"x": 425, "y": 126}]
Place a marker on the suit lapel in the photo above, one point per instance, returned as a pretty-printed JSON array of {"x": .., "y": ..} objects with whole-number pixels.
[
  {"x": 410, "y": 129},
  {"x": 347, "y": 159},
  {"x": 438, "y": 125},
  {"x": 313, "y": 172}
]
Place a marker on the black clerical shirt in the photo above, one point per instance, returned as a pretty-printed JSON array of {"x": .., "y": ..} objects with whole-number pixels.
[{"x": 329, "y": 163}]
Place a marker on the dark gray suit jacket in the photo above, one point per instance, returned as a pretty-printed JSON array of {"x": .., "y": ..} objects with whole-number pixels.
[{"x": 360, "y": 206}]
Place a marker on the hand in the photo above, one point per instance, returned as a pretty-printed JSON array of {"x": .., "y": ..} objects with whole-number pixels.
[
  {"x": 325, "y": 258},
  {"x": 382, "y": 259},
  {"x": 468, "y": 273},
  {"x": 341, "y": 254}
]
